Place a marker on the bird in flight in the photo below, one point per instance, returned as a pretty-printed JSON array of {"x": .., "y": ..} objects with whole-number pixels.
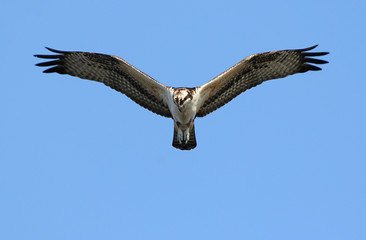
[{"x": 182, "y": 104}]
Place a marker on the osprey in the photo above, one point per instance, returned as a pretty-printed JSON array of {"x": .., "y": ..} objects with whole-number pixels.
[{"x": 182, "y": 104}]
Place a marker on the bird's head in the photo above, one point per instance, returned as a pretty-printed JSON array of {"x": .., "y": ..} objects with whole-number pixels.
[{"x": 181, "y": 97}]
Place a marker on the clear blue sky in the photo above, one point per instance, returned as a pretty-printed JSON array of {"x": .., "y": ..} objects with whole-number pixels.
[{"x": 285, "y": 160}]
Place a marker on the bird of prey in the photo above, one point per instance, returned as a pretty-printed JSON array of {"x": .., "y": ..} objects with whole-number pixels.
[{"x": 182, "y": 104}]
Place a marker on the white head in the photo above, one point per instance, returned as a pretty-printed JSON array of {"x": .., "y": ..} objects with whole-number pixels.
[{"x": 181, "y": 97}]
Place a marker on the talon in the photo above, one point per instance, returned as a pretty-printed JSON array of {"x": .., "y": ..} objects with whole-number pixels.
[
  {"x": 183, "y": 136},
  {"x": 180, "y": 136},
  {"x": 186, "y": 136}
]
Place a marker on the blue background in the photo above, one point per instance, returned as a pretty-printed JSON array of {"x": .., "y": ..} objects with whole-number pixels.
[{"x": 285, "y": 160}]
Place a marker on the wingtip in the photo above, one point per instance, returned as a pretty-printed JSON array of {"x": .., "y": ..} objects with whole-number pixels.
[
  {"x": 308, "y": 48},
  {"x": 49, "y": 63},
  {"x": 57, "y": 69},
  {"x": 308, "y": 67},
  {"x": 55, "y": 50},
  {"x": 314, "y": 60}
]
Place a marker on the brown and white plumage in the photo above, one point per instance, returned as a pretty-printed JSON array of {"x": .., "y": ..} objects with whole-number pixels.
[
  {"x": 113, "y": 72},
  {"x": 182, "y": 104}
]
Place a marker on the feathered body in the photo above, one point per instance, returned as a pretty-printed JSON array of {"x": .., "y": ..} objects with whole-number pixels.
[{"x": 182, "y": 104}]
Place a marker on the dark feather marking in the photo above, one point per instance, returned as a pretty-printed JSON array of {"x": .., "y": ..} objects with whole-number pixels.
[
  {"x": 132, "y": 83},
  {"x": 140, "y": 88},
  {"x": 102, "y": 59},
  {"x": 226, "y": 87},
  {"x": 265, "y": 57}
]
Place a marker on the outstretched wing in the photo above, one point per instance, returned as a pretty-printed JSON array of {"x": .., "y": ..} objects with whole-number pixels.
[
  {"x": 251, "y": 72},
  {"x": 113, "y": 72}
]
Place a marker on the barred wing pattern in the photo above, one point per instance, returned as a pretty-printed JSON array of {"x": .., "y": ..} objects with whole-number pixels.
[
  {"x": 252, "y": 71},
  {"x": 113, "y": 72},
  {"x": 182, "y": 104}
]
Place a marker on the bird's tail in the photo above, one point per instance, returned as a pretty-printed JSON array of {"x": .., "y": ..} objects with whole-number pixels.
[{"x": 185, "y": 146}]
